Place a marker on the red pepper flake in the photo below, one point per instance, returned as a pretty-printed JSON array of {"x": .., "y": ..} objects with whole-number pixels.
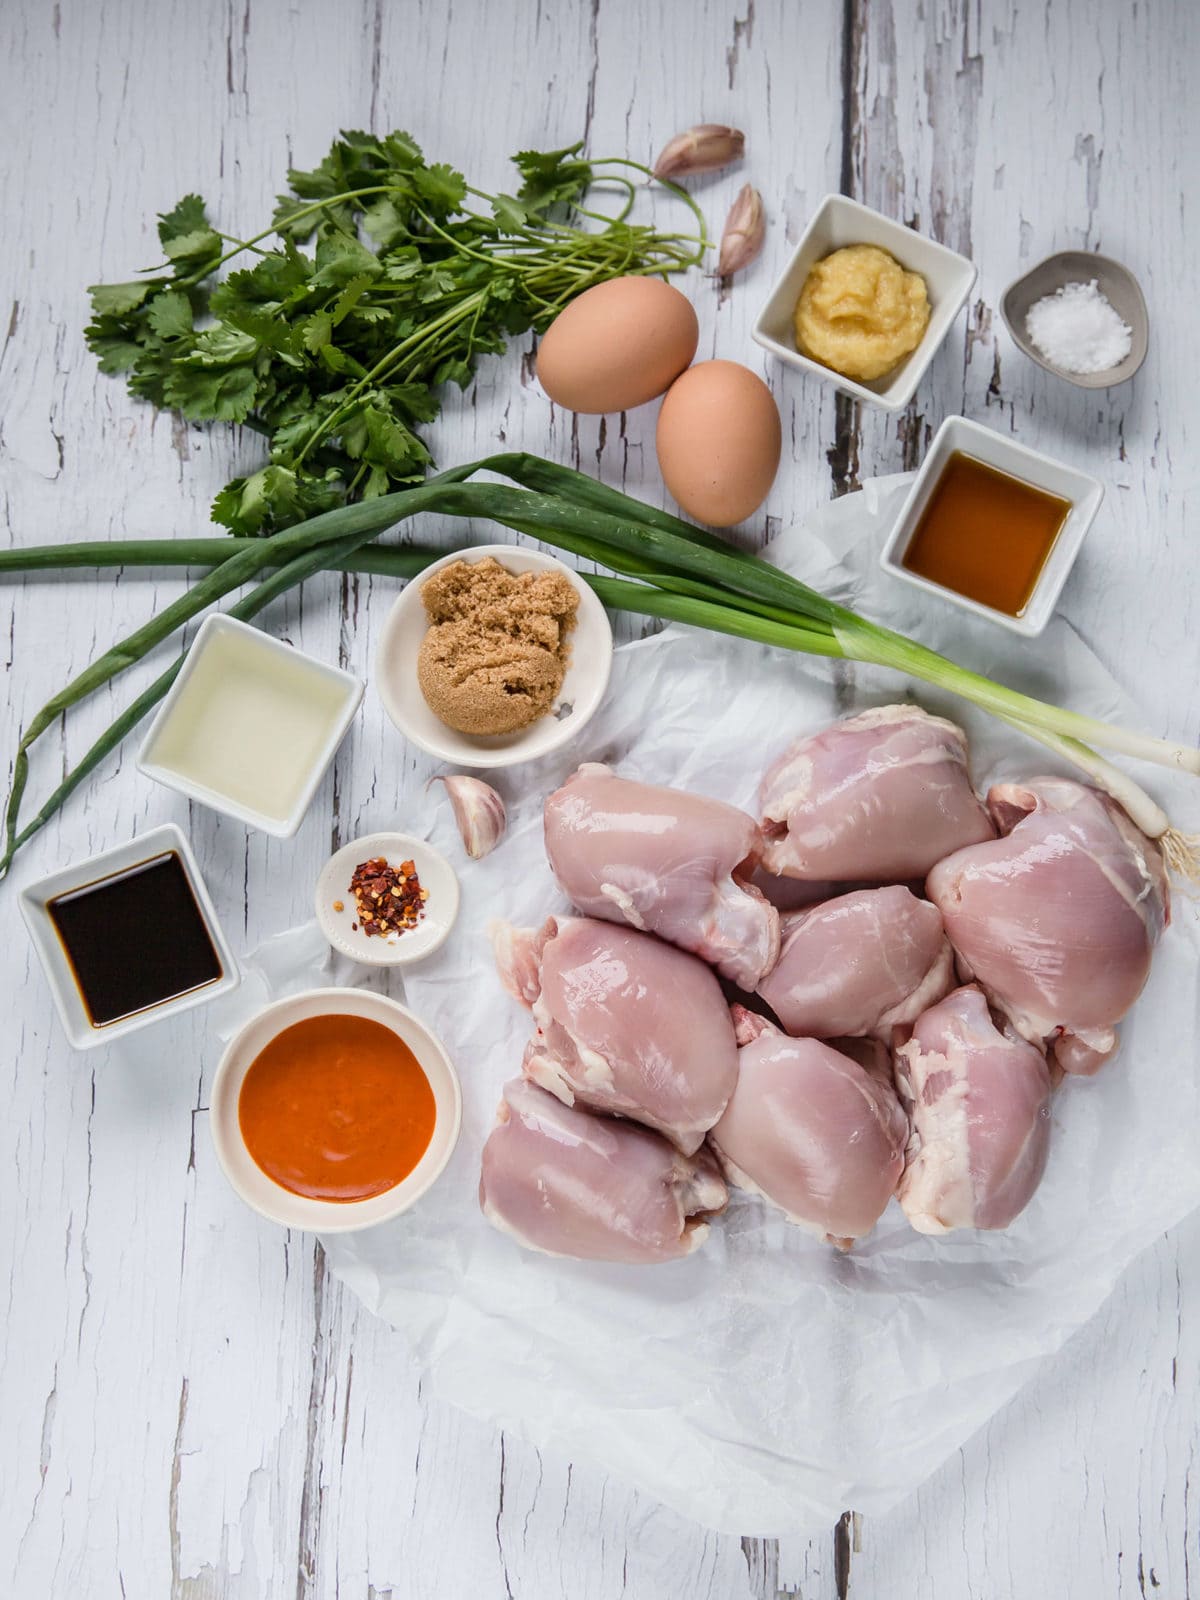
[{"x": 388, "y": 899}]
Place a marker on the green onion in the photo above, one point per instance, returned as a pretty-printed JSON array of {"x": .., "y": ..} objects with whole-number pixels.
[{"x": 683, "y": 574}]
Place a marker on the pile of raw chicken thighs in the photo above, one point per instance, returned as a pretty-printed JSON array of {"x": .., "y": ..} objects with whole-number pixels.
[{"x": 905, "y": 1037}]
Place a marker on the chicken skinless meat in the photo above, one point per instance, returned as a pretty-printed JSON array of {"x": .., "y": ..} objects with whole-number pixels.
[
  {"x": 1058, "y": 919},
  {"x": 861, "y": 964},
  {"x": 567, "y": 1183},
  {"x": 667, "y": 863},
  {"x": 979, "y": 1101},
  {"x": 814, "y": 1132},
  {"x": 625, "y": 1024},
  {"x": 879, "y": 797}
]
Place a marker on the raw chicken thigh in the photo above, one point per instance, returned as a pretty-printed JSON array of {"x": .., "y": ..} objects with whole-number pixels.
[
  {"x": 879, "y": 797},
  {"x": 1058, "y": 919},
  {"x": 570, "y": 1184},
  {"x": 811, "y": 1130},
  {"x": 665, "y": 862},
  {"x": 625, "y": 1024},
  {"x": 861, "y": 964},
  {"x": 979, "y": 1101}
]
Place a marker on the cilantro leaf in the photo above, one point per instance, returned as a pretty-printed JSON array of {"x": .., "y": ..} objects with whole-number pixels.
[
  {"x": 116, "y": 299},
  {"x": 195, "y": 251},
  {"x": 170, "y": 314},
  {"x": 386, "y": 221},
  {"x": 317, "y": 331},
  {"x": 188, "y": 217},
  {"x": 275, "y": 278},
  {"x": 440, "y": 186},
  {"x": 222, "y": 346},
  {"x": 392, "y": 446},
  {"x": 401, "y": 150},
  {"x": 116, "y": 352},
  {"x": 341, "y": 259},
  {"x": 552, "y": 177},
  {"x": 213, "y": 395},
  {"x": 509, "y": 213}
]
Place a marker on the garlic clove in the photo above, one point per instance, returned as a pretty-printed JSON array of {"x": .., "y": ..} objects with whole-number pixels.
[
  {"x": 745, "y": 231},
  {"x": 479, "y": 813},
  {"x": 705, "y": 148}
]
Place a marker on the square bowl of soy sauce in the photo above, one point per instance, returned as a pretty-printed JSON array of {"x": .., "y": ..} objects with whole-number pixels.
[{"x": 128, "y": 937}]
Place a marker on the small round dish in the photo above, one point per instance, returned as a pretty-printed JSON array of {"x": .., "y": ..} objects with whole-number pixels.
[
  {"x": 269, "y": 1198},
  {"x": 1115, "y": 282},
  {"x": 387, "y": 950},
  {"x": 583, "y": 687}
]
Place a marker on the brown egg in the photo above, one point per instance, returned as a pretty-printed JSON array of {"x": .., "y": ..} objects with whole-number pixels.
[
  {"x": 719, "y": 438},
  {"x": 618, "y": 345}
]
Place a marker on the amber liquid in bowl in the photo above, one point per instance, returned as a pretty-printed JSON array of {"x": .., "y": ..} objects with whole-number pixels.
[{"x": 985, "y": 534}]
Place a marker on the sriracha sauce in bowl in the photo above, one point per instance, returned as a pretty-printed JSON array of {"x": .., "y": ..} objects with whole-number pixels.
[{"x": 334, "y": 1110}]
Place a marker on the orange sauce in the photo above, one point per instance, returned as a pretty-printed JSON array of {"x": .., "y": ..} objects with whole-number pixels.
[
  {"x": 336, "y": 1108},
  {"x": 985, "y": 534}
]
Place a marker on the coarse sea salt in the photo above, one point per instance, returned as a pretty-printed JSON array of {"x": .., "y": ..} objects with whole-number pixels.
[{"x": 1077, "y": 329}]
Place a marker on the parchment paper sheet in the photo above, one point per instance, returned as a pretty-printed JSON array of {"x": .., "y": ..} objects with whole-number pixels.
[{"x": 767, "y": 1383}]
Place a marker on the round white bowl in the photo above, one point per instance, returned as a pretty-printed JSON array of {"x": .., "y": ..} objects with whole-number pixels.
[
  {"x": 269, "y": 1198},
  {"x": 380, "y": 950},
  {"x": 583, "y": 685}
]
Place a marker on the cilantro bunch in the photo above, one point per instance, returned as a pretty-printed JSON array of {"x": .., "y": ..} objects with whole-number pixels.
[{"x": 337, "y": 353}]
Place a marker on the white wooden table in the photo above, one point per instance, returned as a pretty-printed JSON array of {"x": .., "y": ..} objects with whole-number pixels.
[{"x": 189, "y": 1404}]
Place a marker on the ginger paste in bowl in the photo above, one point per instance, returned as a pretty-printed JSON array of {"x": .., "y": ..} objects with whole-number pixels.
[{"x": 860, "y": 313}]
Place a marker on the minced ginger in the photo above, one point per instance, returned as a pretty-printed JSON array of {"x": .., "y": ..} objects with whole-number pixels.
[{"x": 496, "y": 651}]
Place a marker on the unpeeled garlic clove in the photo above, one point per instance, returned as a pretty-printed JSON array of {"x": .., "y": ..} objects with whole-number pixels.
[
  {"x": 705, "y": 148},
  {"x": 479, "y": 813},
  {"x": 745, "y": 230}
]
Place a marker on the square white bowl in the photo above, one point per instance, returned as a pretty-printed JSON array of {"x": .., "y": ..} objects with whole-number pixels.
[
  {"x": 161, "y": 772},
  {"x": 1004, "y": 454},
  {"x": 34, "y": 901},
  {"x": 839, "y": 221}
]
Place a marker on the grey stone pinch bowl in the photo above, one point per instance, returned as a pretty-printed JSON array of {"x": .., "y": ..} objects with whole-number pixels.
[{"x": 1118, "y": 286}]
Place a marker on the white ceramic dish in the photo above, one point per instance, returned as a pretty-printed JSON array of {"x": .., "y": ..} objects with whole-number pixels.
[
  {"x": 34, "y": 898},
  {"x": 151, "y": 762},
  {"x": 583, "y": 686},
  {"x": 839, "y": 221},
  {"x": 269, "y": 1198},
  {"x": 400, "y": 950},
  {"x": 1043, "y": 472}
]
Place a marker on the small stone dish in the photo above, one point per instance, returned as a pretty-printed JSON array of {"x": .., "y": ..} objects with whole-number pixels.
[
  {"x": 583, "y": 686},
  {"x": 839, "y": 221},
  {"x": 344, "y": 929},
  {"x": 1115, "y": 282}
]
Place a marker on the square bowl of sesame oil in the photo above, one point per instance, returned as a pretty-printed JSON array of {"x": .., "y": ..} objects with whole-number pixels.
[{"x": 992, "y": 526}]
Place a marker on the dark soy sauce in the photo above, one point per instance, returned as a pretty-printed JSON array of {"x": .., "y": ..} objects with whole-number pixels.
[{"x": 135, "y": 939}]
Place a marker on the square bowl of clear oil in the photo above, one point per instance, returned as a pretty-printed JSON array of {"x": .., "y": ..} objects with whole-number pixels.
[{"x": 250, "y": 726}]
